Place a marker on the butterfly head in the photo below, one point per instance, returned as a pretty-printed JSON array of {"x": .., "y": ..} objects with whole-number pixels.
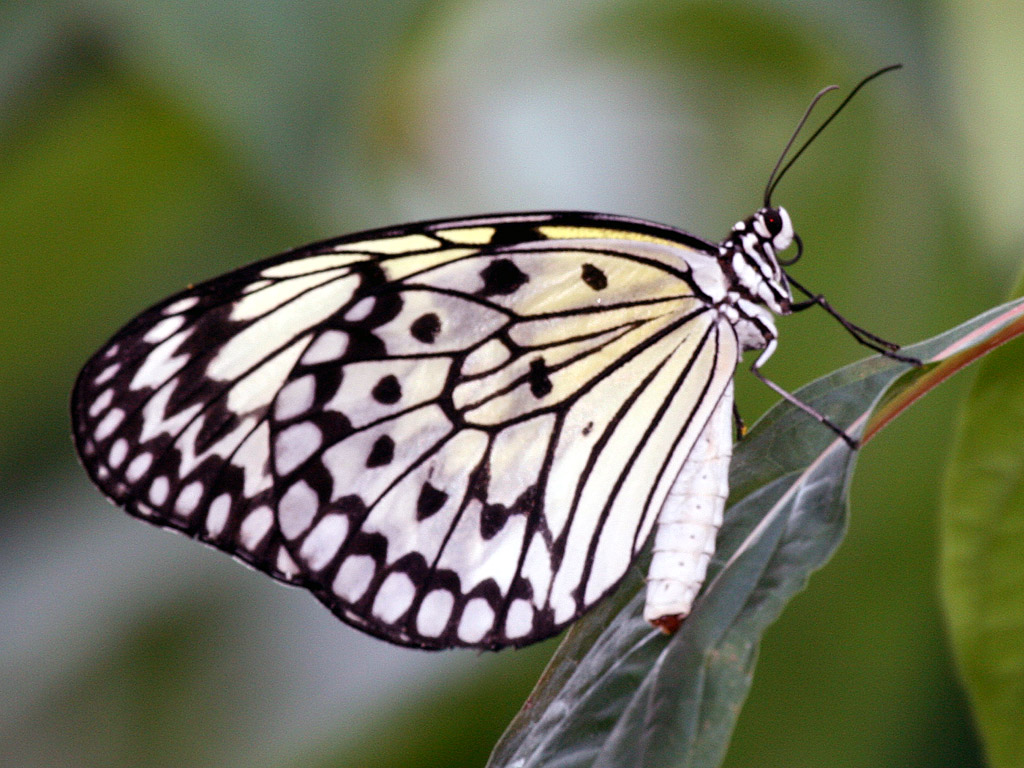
[{"x": 775, "y": 226}]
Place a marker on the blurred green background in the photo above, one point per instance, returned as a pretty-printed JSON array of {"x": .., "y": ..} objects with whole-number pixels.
[{"x": 144, "y": 146}]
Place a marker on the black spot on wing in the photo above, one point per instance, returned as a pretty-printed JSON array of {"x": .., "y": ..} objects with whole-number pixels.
[
  {"x": 540, "y": 382},
  {"x": 594, "y": 277},
  {"x": 501, "y": 277},
  {"x": 387, "y": 390},
  {"x": 363, "y": 345},
  {"x": 492, "y": 519},
  {"x": 426, "y": 327},
  {"x": 382, "y": 452},
  {"x": 430, "y": 501}
]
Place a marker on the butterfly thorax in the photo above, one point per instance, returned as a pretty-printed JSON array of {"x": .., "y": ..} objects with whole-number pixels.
[{"x": 757, "y": 283}]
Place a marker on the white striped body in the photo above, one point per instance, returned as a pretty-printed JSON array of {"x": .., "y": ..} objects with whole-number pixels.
[{"x": 684, "y": 538}]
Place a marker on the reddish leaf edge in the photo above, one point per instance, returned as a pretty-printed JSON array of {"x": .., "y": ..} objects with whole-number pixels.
[{"x": 943, "y": 365}]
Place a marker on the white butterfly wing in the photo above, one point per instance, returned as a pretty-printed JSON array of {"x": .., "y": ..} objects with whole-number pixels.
[{"x": 453, "y": 433}]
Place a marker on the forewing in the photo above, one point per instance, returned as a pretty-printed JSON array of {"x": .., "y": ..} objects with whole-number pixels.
[{"x": 455, "y": 433}]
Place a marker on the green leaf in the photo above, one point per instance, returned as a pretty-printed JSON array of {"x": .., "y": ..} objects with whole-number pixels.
[
  {"x": 982, "y": 566},
  {"x": 618, "y": 692}
]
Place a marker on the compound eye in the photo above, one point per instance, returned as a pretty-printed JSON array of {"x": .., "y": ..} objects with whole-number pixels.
[{"x": 773, "y": 222}]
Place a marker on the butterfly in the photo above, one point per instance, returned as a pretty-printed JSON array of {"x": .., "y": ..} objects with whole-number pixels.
[{"x": 458, "y": 432}]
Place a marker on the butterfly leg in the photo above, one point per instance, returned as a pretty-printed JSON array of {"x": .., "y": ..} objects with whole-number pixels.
[
  {"x": 756, "y": 370},
  {"x": 868, "y": 339}
]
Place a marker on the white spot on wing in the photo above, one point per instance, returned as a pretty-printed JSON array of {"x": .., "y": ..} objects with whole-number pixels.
[
  {"x": 101, "y": 402},
  {"x": 259, "y": 285},
  {"x": 109, "y": 423},
  {"x": 118, "y": 452},
  {"x": 563, "y": 605},
  {"x": 296, "y": 444},
  {"x": 297, "y": 509},
  {"x": 107, "y": 373},
  {"x": 329, "y": 345},
  {"x": 285, "y": 564},
  {"x": 158, "y": 490},
  {"x": 181, "y": 305},
  {"x": 394, "y": 597},
  {"x": 164, "y": 329},
  {"x": 324, "y": 541},
  {"x": 361, "y": 310},
  {"x": 138, "y": 467},
  {"x": 477, "y": 619},
  {"x": 435, "y": 610},
  {"x": 354, "y": 577},
  {"x": 519, "y": 620},
  {"x": 295, "y": 398},
  {"x": 189, "y": 498},
  {"x": 217, "y": 517},
  {"x": 255, "y": 527}
]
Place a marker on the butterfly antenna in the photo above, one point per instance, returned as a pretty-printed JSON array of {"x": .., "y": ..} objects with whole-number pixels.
[
  {"x": 776, "y": 175},
  {"x": 799, "y": 126}
]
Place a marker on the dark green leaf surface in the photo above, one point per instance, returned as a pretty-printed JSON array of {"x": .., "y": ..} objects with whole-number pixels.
[{"x": 620, "y": 693}]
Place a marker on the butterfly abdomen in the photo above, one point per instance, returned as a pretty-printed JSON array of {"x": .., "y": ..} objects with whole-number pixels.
[{"x": 684, "y": 540}]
